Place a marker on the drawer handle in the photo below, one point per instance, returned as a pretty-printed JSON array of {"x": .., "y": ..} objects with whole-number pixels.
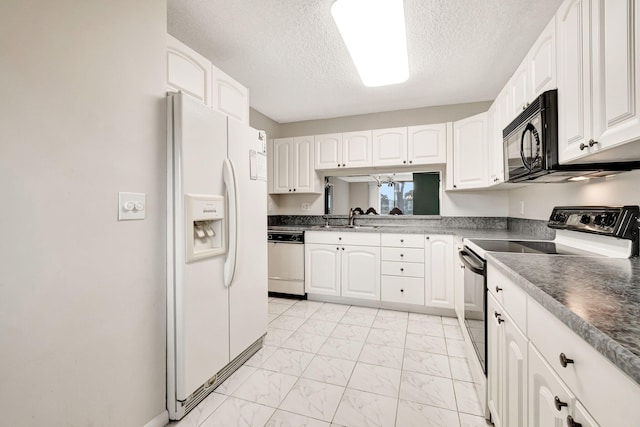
[
  {"x": 559, "y": 403},
  {"x": 592, "y": 142},
  {"x": 497, "y": 316},
  {"x": 564, "y": 360},
  {"x": 572, "y": 423},
  {"x": 498, "y": 289},
  {"x": 583, "y": 146}
]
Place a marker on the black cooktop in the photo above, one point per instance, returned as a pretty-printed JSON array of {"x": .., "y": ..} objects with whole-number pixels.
[{"x": 527, "y": 247}]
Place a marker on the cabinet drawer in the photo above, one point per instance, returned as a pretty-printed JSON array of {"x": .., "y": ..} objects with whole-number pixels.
[
  {"x": 346, "y": 238},
  {"x": 607, "y": 393},
  {"x": 406, "y": 290},
  {"x": 509, "y": 295},
  {"x": 404, "y": 269},
  {"x": 403, "y": 254},
  {"x": 402, "y": 240}
]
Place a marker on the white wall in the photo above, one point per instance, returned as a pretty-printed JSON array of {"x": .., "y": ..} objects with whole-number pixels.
[
  {"x": 539, "y": 199},
  {"x": 82, "y": 296}
]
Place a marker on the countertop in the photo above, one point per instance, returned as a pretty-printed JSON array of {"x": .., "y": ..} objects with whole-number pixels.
[
  {"x": 486, "y": 233},
  {"x": 598, "y": 298}
]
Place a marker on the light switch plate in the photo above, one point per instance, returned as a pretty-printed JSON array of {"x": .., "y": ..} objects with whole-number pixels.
[{"x": 132, "y": 206}]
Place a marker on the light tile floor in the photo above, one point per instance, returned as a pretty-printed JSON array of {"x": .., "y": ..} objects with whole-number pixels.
[{"x": 337, "y": 365}]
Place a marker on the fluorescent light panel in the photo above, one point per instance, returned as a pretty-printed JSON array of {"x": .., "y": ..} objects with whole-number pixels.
[{"x": 375, "y": 35}]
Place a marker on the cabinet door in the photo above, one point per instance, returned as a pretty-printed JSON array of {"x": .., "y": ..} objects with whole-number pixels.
[
  {"x": 514, "y": 382},
  {"x": 519, "y": 89},
  {"x": 282, "y": 162},
  {"x": 582, "y": 417},
  {"x": 427, "y": 145},
  {"x": 304, "y": 178},
  {"x": 390, "y": 147},
  {"x": 188, "y": 71},
  {"x": 322, "y": 269},
  {"x": 542, "y": 62},
  {"x": 470, "y": 168},
  {"x": 229, "y": 96},
  {"x": 458, "y": 283},
  {"x": 328, "y": 150},
  {"x": 574, "y": 78},
  {"x": 357, "y": 149},
  {"x": 616, "y": 74},
  {"x": 544, "y": 388},
  {"x": 361, "y": 272},
  {"x": 495, "y": 365},
  {"x": 439, "y": 271}
]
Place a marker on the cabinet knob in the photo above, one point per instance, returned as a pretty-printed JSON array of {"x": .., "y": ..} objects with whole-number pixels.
[
  {"x": 337, "y": 249},
  {"x": 564, "y": 360},
  {"x": 497, "y": 316},
  {"x": 571, "y": 422},
  {"x": 455, "y": 186},
  {"x": 410, "y": 161},
  {"x": 339, "y": 238},
  {"x": 498, "y": 289},
  {"x": 404, "y": 161},
  {"x": 401, "y": 290},
  {"x": 289, "y": 189},
  {"x": 401, "y": 255},
  {"x": 343, "y": 165},
  {"x": 462, "y": 266},
  {"x": 338, "y": 164},
  {"x": 583, "y": 146},
  {"x": 592, "y": 142},
  {"x": 294, "y": 189},
  {"x": 401, "y": 240},
  {"x": 559, "y": 403},
  {"x": 427, "y": 237},
  {"x": 402, "y": 269},
  {"x": 343, "y": 249}
]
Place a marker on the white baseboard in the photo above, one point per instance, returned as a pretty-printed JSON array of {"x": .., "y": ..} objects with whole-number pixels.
[{"x": 159, "y": 420}]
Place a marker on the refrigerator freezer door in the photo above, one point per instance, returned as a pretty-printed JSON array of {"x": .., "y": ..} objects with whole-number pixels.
[
  {"x": 248, "y": 291},
  {"x": 200, "y": 299}
]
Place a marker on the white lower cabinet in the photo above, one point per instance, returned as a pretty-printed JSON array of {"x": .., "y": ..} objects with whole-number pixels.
[
  {"x": 438, "y": 280},
  {"x": 550, "y": 402},
  {"x": 343, "y": 264},
  {"x": 507, "y": 353},
  {"x": 322, "y": 274},
  {"x": 541, "y": 373},
  {"x": 360, "y": 272}
]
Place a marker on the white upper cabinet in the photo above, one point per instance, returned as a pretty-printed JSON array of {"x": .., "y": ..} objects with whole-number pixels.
[
  {"x": 574, "y": 78},
  {"x": 498, "y": 119},
  {"x": 519, "y": 89},
  {"x": 536, "y": 73},
  {"x": 427, "y": 144},
  {"x": 389, "y": 147},
  {"x": 229, "y": 96},
  {"x": 616, "y": 78},
  {"x": 469, "y": 156},
  {"x": 328, "y": 150},
  {"x": 542, "y": 62},
  {"x": 188, "y": 71},
  {"x": 356, "y": 149},
  {"x": 293, "y": 170}
]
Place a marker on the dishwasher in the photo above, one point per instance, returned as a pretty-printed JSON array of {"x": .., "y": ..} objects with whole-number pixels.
[{"x": 286, "y": 262}]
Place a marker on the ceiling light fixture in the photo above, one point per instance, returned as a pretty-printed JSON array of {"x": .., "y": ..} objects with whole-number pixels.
[{"x": 375, "y": 35}]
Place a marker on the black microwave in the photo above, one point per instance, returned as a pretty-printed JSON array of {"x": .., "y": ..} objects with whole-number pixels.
[{"x": 531, "y": 147}]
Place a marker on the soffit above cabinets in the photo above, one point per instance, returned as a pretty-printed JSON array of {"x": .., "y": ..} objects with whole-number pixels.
[{"x": 291, "y": 56}]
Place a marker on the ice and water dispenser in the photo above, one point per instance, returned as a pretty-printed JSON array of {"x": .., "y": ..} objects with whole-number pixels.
[{"x": 205, "y": 226}]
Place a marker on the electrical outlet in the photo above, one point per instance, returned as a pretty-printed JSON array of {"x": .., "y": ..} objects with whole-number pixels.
[
  {"x": 305, "y": 206},
  {"x": 522, "y": 207}
]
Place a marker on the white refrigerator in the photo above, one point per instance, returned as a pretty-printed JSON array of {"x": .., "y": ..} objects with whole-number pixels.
[{"x": 216, "y": 249}]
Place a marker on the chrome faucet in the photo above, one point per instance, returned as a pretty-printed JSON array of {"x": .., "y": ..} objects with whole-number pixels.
[{"x": 352, "y": 216}]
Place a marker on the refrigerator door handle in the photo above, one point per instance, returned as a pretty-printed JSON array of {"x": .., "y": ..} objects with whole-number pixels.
[{"x": 231, "y": 184}]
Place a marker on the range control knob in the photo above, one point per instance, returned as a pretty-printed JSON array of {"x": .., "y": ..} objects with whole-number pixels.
[
  {"x": 597, "y": 220},
  {"x": 609, "y": 219},
  {"x": 585, "y": 219},
  {"x": 559, "y": 217}
]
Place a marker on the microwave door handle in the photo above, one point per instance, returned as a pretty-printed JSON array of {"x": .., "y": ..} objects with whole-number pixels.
[{"x": 466, "y": 258}]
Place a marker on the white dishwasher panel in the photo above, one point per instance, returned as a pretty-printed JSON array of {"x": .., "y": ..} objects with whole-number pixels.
[{"x": 286, "y": 268}]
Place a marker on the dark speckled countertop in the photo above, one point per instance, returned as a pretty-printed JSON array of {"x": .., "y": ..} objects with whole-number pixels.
[{"x": 598, "y": 298}]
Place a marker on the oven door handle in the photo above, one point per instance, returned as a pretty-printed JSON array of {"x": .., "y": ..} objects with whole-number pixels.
[{"x": 466, "y": 258}]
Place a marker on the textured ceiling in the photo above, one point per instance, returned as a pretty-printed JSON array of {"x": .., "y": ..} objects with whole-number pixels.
[{"x": 290, "y": 54}]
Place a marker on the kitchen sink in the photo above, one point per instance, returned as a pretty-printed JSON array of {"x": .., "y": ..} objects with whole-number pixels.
[{"x": 343, "y": 227}]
